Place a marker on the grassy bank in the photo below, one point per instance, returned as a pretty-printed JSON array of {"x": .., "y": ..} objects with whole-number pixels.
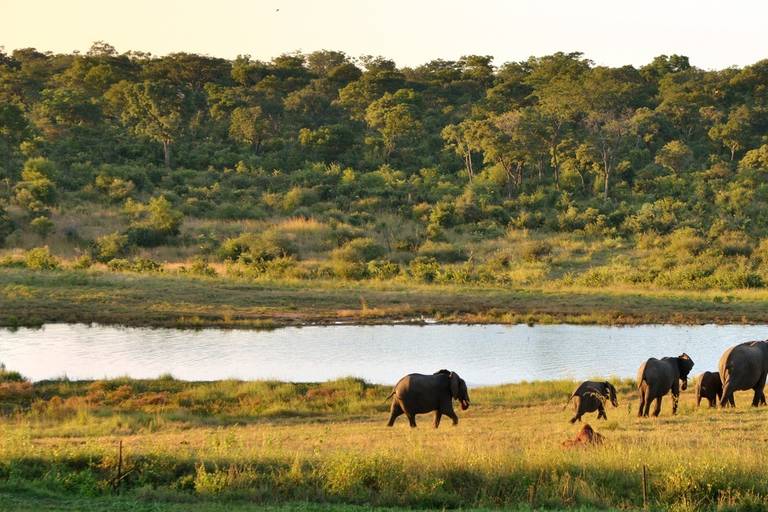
[
  {"x": 292, "y": 446},
  {"x": 29, "y": 297}
]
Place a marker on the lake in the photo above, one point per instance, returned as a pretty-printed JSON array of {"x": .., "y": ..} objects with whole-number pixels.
[{"x": 481, "y": 354}]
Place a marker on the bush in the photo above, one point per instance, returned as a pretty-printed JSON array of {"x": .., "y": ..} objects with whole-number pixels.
[
  {"x": 42, "y": 226},
  {"x": 360, "y": 250},
  {"x": 443, "y": 252},
  {"x": 109, "y": 247},
  {"x": 383, "y": 269},
  {"x": 40, "y": 258},
  {"x": 424, "y": 269},
  {"x": 534, "y": 251}
]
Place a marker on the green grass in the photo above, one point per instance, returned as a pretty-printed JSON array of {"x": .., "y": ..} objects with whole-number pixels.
[
  {"x": 325, "y": 446},
  {"x": 176, "y": 300}
]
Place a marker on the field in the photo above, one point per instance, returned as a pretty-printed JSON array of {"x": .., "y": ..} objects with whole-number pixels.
[
  {"x": 325, "y": 446},
  {"x": 29, "y": 297}
]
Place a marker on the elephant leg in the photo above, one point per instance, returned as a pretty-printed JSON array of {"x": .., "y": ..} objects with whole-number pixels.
[
  {"x": 657, "y": 409},
  {"x": 411, "y": 419},
  {"x": 713, "y": 402},
  {"x": 438, "y": 415},
  {"x": 576, "y": 418},
  {"x": 675, "y": 399},
  {"x": 394, "y": 413},
  {"x": 448, "y": 411},
  {"x": 601, "y": 413},
  {"x": 641, "y": 411}
]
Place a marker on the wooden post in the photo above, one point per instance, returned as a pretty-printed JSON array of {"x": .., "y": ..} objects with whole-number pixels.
[
  {"x": 119, "y": 468},
  {"x": 645, "y": 495}
]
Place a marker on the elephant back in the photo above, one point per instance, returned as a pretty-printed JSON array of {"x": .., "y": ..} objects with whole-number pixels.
[{"x": 744, "y": 364}]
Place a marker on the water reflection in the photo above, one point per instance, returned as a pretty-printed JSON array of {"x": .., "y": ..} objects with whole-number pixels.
[{"x": 482, "y": 355}]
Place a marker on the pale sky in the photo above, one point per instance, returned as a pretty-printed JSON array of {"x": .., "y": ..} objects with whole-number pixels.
[{"x": 714, "y": 35}]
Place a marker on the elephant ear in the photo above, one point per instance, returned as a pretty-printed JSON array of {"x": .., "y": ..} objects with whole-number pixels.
[
  {"x": 685, "y": 364},
  {"x": 454, "y": 380}
]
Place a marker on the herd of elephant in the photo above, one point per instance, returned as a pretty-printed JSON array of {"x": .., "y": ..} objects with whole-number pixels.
[{"x": 741, "y": 367}]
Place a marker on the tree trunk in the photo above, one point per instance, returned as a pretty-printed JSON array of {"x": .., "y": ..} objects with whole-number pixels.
[{"x": 167, "y": 151}]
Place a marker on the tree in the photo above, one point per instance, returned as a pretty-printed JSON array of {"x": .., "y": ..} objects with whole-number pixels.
[
  {"x": 253, "y": 126},
  {"x": 395, "y": 116},
  {"x": 736, "y": 133},
  {"x": 675, "y": 156},
  {"x": 557, "y": 82},
  {"x": 14, "y": 128},
  {"x": 158, "y": 110}
]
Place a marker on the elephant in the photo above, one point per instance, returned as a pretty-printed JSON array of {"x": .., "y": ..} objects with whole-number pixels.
[
  {"x": 418, "y": 394},
  {"x": 709, "y": 386},
  {"x": 656, "y": 377},
  {"x": 744, "y": 367},
  {"x": 591, "y": 397}
]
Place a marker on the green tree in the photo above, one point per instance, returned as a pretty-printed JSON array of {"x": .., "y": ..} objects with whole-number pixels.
[
  {"x": 158, "y": 110},
  {"x": 396, "y": 117},
  {"x": 14, "y": 128}
]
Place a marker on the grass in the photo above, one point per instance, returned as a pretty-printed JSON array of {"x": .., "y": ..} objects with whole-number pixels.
[
  {"x": 325, "y": 446},
  {"x": 30, "y": 297}
]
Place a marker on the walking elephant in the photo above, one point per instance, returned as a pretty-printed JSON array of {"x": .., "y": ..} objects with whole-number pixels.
[
  {"x": 590, "y": 397},
  {"x": 709, "y": 386},
  {"x": 744, "y": 367},
  {"x": 656, "y": 377},
  {"x": 418, "y": 394}
]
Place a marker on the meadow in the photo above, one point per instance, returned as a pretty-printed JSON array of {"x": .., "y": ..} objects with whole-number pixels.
[{"x": 166, "y": 444}]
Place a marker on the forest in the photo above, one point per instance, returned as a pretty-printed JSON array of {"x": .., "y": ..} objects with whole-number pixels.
[{"x": 325, "y": 166}]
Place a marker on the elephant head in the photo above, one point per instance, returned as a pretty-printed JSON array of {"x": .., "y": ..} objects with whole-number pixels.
[
  {"x": 459, "y": 390},
  {"x": 611, "y": 394},
  {"x": 684, "y": 366}
]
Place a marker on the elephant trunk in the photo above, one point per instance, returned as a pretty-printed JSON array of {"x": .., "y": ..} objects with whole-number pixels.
[
  {"x": 685, "y": 383},
  {"x": 464, "y": 404}
]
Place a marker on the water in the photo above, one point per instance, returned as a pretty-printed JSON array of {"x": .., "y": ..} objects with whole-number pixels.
[{"x": 481, "y": 354}]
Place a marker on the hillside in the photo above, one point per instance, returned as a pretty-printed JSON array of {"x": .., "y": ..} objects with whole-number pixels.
[{"x": 551, "y": 173}]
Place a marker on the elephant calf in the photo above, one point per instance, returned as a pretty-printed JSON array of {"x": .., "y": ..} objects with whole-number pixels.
[
  {"x": 709, "y": 386},
  {"x": 418, "y": 394},
  {"x": 591, "y": 397}
]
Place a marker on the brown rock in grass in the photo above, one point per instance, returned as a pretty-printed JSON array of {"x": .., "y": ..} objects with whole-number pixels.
[{"x": 586, "y": 436}]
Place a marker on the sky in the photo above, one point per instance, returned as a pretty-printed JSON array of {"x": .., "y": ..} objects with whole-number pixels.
[{"x": 713, "y": 35}]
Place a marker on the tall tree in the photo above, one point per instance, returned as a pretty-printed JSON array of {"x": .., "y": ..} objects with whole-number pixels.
[{"x": 158, "y": 110}]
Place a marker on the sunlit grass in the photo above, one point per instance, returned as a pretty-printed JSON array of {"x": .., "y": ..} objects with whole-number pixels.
[{"x": 270, "y": 442}]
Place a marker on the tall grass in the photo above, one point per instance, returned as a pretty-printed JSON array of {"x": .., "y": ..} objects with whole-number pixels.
[{"x": 275, "y": 442}]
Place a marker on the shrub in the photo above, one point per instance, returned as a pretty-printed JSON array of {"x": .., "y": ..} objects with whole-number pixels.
[
  {"x": 42, "y": 226},
  {"x": 360, "y": 250},
  {"x": 534, "y": 251},
  {"x": 383, "y": 269},
  {"x": 442, "y": 252},
  {"x": 119, "y": 265},
  {"x": 111, "y": 246},
  {"x": 424, "y": 268},
  {"x": 40, "y": 258}
]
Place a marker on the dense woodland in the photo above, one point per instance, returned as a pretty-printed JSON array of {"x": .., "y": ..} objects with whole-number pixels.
[{"x": 458, "y": 171}]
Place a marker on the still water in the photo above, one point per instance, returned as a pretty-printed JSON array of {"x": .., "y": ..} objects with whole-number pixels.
[{"x": 481, "y": 354}]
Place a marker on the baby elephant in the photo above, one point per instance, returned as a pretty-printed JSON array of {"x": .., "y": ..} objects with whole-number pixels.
[
  {"x": 709, "y": 386},
  {"x": 591, "y": 397}
]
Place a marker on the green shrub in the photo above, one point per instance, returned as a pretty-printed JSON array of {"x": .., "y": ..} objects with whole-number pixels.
[
  {"x": 360, "y": 250},
  {"x": 42, "y": 226},
  {"x": 40, "y": 258},
  {"x": 442, "y": 252},
  {"x": 383, "y": 269},
  {"x": 111, "y": 246},
  {"x": 424, "y": 268},
  {"x": 119, "y": 265},
  {"x": 534, "y": 251}
]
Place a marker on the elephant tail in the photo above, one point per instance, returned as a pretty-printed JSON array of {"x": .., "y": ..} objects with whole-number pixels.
[
  {"x": 569, "y": 401},
  {"x": 390, "y": 396}
]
